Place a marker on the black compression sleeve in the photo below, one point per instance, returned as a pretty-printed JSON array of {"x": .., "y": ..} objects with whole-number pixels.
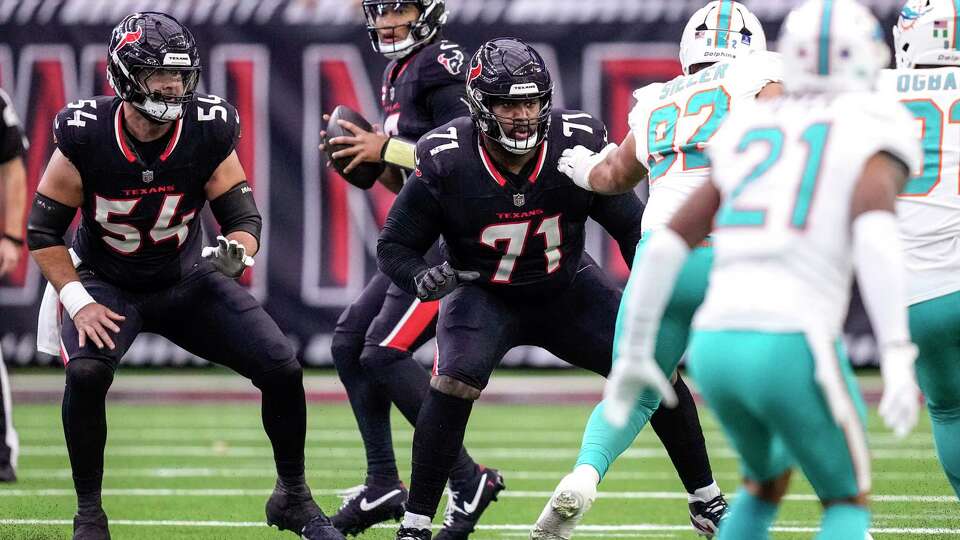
[
  {"x": 447, "y": 103},
  {"x": 236, "y": 210},
  {"x": 48, "y": 222},
  {"x": 621, "y": 216},
  {"x": 410, "y": 230}
]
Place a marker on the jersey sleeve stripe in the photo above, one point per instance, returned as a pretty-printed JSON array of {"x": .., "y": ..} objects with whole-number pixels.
[{"x": 823, "y": 57}]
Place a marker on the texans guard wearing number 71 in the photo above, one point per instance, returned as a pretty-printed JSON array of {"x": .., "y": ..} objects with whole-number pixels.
[
  {"x": 516, "y": 272},
  {"x": 140, "y": 167}
]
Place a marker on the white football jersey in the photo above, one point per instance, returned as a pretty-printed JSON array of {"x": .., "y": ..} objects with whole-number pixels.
[
  {"x": 674, "y": 123},
  {"x": 929, "y": 208},
  {"x": 782, "y": 236}
]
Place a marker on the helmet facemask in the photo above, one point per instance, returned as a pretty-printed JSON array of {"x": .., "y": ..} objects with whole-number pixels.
[
  {"x": 158, "y": 104},
  {"x": 431, "y": 16},
  {"x": 506, "y": 130}
]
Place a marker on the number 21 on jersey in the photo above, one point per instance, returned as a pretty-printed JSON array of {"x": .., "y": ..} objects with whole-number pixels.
[{"x": 814, "y": 137}]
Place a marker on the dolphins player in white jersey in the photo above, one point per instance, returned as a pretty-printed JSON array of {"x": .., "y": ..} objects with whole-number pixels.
[
  {"x": 725, "y": 64},
  {"x": 927, "y": 81},
  {"x": 802, "y": 194}
]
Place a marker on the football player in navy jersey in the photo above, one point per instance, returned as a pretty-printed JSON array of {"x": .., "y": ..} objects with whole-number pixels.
[
  {"x": 13, "y": 178},
  {"x": 374, "y": 341},
  {"x": 140, "y": 167},
  {"x": 515, "y": 271}
]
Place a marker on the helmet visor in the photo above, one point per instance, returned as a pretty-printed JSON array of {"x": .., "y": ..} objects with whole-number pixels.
[{"x": 167, "y": 85}]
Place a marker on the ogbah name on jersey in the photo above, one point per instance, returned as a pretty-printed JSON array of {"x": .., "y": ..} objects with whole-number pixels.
[
  {"x": 713, "y": 73},
  {"x": 918, "y": 82}
]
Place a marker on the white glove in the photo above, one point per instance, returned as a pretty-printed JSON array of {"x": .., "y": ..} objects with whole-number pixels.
[
  {"x": 228, "y": 256},
  {"x": 900, "y": 403},
  {"x": 577, "y": 162},
  {"x": 630, "y": 376}
]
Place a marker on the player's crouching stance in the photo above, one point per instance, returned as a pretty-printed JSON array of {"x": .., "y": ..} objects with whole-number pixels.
[
  {"x": 141, "y": 167},
  {"x": 801, "y": 195}
]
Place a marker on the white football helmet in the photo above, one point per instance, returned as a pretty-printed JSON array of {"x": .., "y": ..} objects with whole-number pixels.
[
  {"x": 927, "y": 34},
  {"x": 832, "y": 46},
  {"x": 720, "y": 31}
]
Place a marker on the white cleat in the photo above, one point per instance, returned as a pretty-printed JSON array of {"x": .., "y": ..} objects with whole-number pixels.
[{"x": 569, "y": 503}]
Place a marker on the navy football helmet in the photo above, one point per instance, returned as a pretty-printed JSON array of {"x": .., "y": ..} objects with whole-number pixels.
[
  {"x": 433, "y": 15},
  {"x": 507, "y": 69},
  {"x": 144, "y": 45}
]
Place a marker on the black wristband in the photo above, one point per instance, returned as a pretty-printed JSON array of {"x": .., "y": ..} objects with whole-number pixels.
[{"x": 14, "y": 239}]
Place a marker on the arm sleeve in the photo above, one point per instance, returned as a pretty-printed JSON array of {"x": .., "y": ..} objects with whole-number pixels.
[
  {"x": 621, "y": 216},
  {"x": 410, "y": 230},
  {"x": 446, "y": 103},
  {"x": 12, "y": 141}
]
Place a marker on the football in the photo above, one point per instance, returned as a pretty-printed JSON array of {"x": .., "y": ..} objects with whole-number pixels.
[{"x": 366, "y": 174}]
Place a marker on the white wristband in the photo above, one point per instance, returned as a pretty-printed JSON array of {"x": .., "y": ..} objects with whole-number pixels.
[{"x": 74, "y": 297}]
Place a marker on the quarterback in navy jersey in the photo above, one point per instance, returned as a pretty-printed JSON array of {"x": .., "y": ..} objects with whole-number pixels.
[
  {"x": 141, "y": 166},
  {"x": 374, "y": 341},
  {"x": 515, "y": 271}
]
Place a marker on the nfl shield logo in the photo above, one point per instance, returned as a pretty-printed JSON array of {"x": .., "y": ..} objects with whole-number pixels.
[
  {"x": 519, "y": 199},
  {"x": 147, "y": 177}
]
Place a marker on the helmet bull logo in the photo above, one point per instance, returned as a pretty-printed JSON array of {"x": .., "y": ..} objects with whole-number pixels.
[{"x": 128, "y": 38}]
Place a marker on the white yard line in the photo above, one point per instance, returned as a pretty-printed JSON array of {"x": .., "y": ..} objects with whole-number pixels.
[
  {"x": 229, "y": 492},
  {"x": 270, "y": 472},
  {"x": 504, "y": 527},
  {"x": 224, "y": 450}
]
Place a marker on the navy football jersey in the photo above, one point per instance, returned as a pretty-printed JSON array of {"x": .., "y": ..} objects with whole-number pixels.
[
  {"x": 140, "y": 227},
  {"x": 523, "y": 234},
  {"x": 12, "y": 140},
  {"x": 424, "y": 90}
]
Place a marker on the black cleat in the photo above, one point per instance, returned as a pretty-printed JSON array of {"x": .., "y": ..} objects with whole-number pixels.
[
  {"x": 414, "y": 534},
  {"x": 91, "y": 527},
  {"x": 466, "y": 503},
  {"x": 320, "y": 528},
  {"x": 296, "y": 511},
  {"x": 7, "y": 474},
  {"x": 364, "y": 506},
  {"x": 705, "y": 516}
]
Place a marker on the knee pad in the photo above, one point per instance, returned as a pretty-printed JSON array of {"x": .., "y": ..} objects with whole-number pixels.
[
  {"x": 286, "y": 376},
  {"x": 88, "y": 375},
  {"x": 345, "y": 348},
  {"x": 944, "y": 413},
  {"x": 375, "y": 356}
]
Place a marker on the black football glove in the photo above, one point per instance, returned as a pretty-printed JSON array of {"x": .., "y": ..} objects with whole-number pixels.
[{"x": 441, "y": 280}]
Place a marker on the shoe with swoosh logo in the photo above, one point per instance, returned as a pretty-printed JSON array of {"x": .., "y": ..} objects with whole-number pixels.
[
  {"x": 466, "y": 502},
  {"x": 293, "y": 509},
  {"x": 366, "y": 505}
]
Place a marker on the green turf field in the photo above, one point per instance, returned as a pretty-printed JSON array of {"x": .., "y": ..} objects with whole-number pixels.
[{"x": 204, "y": 471}]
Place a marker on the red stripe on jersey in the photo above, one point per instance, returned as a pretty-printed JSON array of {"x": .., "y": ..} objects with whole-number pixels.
[
  {"x": 491, "y": 168},
  {"x": 121, "y": 140},
  {"x": 540, "y": 159},
  {"x": 412, "y": 325},
  {"x": 178, "y": 129}
]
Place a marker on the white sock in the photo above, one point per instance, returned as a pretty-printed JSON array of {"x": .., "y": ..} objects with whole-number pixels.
[
  {"x": 587, "y": 472},
  {"x": 705, "y": 493},
  {"x": 415, "y": 521}
]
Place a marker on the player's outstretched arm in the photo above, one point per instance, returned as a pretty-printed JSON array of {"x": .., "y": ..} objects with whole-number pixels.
[
  {"x": 411, "y": 228},
  {"x": 58, "y": 196},
  {"x": 13, "y": 174},
  {"x": 878, "y": 260},
  {"x": 614, "y": 169}
]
